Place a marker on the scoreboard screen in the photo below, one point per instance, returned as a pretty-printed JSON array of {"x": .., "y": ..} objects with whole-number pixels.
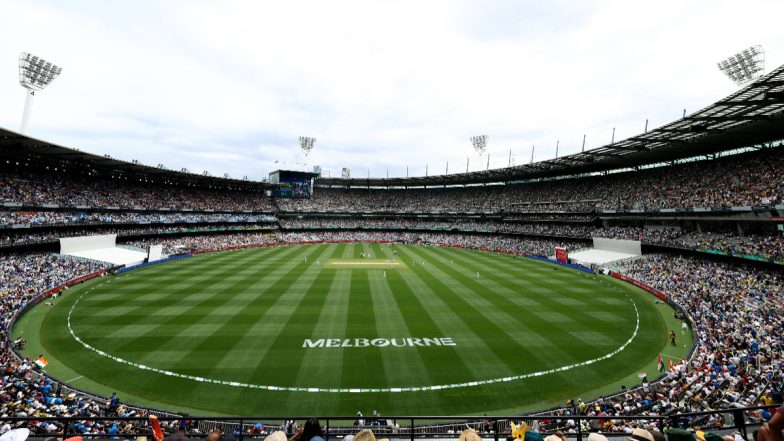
[
  {"x": 292, "y": 184},
  {"x": 293, "y": 188}
]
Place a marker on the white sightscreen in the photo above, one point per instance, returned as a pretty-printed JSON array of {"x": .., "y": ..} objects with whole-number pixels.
[
  {"x": 618, "y": 245},
  {"x": 155, "y": 253},
  {"x": 70, "y": 245}
]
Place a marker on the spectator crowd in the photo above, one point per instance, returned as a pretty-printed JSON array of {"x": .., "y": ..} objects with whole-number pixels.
[
  {"x": 737, "y": 309},
  {"x": 21, "y": 392},
  {"x": 32, "y": 189},
  {"x": 11, "y": 218},
  {"x": 742, "y": 180},
  {"x": 40, "y": 208},
  {"x": 752, "y": 243},
  {"x": 769, "y": 246},
  {"x": 51, "y": 236},
  {"x": 175, "y": 245},
  {"x": 739, "y": 324},
  {"x": 750, "y": 179}
]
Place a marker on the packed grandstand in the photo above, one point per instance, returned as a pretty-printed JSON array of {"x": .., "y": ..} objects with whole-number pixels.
[
  {"x": 710, "y": 228},
  {"x": 726, "y": 205},
  {"x": 737, "y": 361}
]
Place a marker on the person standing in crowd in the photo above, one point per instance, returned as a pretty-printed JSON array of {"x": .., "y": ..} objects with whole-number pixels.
[
  {"x": 112, "y": 404},
  {"x": 311, "y": 431}
]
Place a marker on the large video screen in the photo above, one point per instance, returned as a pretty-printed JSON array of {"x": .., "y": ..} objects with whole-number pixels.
[{"x": 298, "y": 188}]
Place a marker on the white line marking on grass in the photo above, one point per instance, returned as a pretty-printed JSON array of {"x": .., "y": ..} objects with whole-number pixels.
[
  {"x": 354, "y": 263},
  {"x": 352, "y": 390},
  {"x": 74, "y": 379}
]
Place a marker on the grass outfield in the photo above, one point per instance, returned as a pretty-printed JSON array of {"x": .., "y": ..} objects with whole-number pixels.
[{"x": 302, "y": 330}]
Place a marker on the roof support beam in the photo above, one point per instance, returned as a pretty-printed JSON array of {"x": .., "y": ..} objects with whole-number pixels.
[
  {"x": 690, "y": 130},
  {"x": 631, "y": 147},
  {"x": 731, "y": 118}
]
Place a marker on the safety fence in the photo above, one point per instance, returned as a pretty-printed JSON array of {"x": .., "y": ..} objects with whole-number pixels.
[{"x": 741, "y": 421}]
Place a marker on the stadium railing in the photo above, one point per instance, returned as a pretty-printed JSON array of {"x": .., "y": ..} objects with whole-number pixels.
[{"x": 743, "y": 421}]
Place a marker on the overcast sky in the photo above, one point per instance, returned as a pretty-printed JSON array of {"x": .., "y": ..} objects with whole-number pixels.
[{"x": 230, "y": 86}]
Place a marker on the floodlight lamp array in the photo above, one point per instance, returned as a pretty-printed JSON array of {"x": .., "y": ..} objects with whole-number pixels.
[
  {"x": 745, "y": 66},
  {"x": 36, "y": 73},
  {"x": 479, "y": 143},
  {"x": 306, "y": 143}
]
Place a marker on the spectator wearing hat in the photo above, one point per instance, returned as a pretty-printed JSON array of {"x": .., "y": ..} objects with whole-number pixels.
[
  {"x": 469, "y": 435},
  {"x": 558, "y": 436},
  {"x": 640, "y": 434},
  {"x": 595, "y": 436},
  {"x": 276, "y": 436},
  {"x": 365, "y": 435}
]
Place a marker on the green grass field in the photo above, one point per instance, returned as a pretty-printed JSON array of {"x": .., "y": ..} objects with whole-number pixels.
[{"x": 240, "y": 333}]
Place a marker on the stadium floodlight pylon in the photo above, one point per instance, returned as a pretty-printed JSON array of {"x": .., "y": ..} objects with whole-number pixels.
[
  {"x": 745, "y": 66},
  {"x": 35, "y": 74},
  {"x": 306, "y": 144},
  {"x": 479, "y": 143}
]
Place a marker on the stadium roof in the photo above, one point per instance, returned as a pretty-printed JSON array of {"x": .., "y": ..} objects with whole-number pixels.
[
  {"x": 751, "y": 116},
  {"x": 26, "y": 150}
]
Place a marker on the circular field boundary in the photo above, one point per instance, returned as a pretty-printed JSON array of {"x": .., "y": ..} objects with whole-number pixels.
[{"x": 269, "y": 387}]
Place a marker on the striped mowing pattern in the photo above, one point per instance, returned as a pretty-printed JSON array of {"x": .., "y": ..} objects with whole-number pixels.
[{"x": 237, "y": 321}]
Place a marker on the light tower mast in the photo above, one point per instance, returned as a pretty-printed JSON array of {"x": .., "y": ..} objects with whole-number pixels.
[
  {"x": 480, "y": 146},
  {"x": 34, "y": 74},
  {"x": 306, "y": 144}
]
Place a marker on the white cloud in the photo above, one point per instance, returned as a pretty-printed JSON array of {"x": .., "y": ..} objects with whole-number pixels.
[{"x": 229, "y": 86}]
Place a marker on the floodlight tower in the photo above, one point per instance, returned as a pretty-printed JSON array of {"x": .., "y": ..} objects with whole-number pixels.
[
  {"x": 745, "y": 66},
  {"x": 480, "y": 145},
  {"x": 306, "y": 144},
  {"x": 34, "y": 74}
]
